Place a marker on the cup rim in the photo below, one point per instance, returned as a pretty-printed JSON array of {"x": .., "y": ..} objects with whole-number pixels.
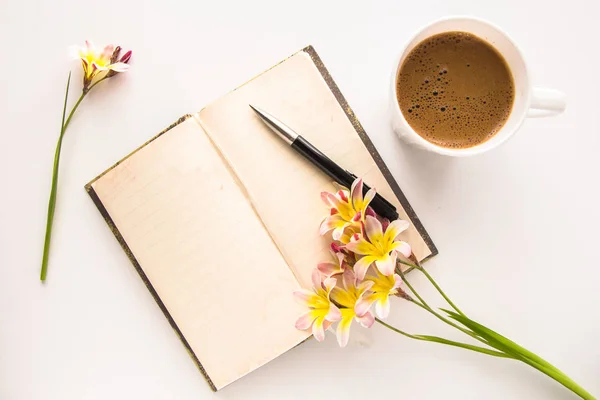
[{"x": 468, "y": 151}]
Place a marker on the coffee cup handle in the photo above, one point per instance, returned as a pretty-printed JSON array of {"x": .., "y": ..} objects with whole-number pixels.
[{"x": 546, "y": 102}]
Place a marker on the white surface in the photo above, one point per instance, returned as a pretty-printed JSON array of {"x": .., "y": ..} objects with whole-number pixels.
[{"x": 516, "y": 228}]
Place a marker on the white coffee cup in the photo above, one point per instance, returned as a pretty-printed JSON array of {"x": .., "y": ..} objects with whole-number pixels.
[{"x": 529, "y": 101}]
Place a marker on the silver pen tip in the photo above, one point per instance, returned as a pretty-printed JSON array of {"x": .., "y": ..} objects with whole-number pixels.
[
  {"x": 284, "y": 131},
  {"x": 258, "y": 111}
]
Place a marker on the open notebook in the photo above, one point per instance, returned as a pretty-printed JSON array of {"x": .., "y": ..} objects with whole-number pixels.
[{"x": 220, "y": 217}]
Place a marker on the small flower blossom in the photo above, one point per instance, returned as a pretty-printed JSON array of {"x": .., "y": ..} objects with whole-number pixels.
[
  {"x": 379, "y": 247},
  {"x": 322, "y": 312},
  {"x": 346, "y": 209},
  {"x": 347, "y": 297},
  {"x": 383, "y": 286},
  {"x": 95, "y": 60},
  {"x": 329, "y": 269}
]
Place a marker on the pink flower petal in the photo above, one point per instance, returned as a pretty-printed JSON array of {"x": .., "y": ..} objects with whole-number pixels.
[
  {"x": 362, "y": 265},
  {"x": 99, "y": 67},
  {"x": 335, "y": 201},
  {"x": 356, "y": 193},
  {"x": 342, "y": 195},
  {"x": 329, "y": 269},
  {"x": 395, "y": 228},
  {"x": 107, "y": 52},
  {"x": 343, "y": 331},
  {"x": 404, "y": 249},
  {"x": 387, "y": 265},
  {"x": 305, "y": 321},
  {"x": 334, "y": 313},
  {"x": 304, "y": 296},
  {"x": 329, "y": 284},
  {"x": 316, "y": 278},
  {"x": 318, "y": 329},
  {"x": 367, "y": 320},
  {"x": 119, "y": 67},
  {"x": 369, "y": 211},
  {"x": 365, "y": 286},
  {"x": 397, "y": 281},
  {"x": 368, "y": 198},
  {"x": 384, "y": 225},
  {"x": 382, "y": 307},
  {"x": 373, "y": 229},
  {"x": 364, "y": 303},
  {"x": 349, "y": 279},
  {"x": 331, "y": 222},
  {"x": 339, "y": 231}
]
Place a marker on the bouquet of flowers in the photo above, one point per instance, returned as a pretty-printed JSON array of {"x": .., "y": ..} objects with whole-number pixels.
[{"x": 368, "y": 266}]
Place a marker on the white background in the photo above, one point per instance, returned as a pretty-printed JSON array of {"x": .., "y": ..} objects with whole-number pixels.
[{"x": 517, "y": 229}]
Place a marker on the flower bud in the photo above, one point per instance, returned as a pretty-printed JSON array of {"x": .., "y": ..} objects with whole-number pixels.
[
  {"x": 115, "y": 59},
  {"x": 126, "y": 57},
  {"x": 115, "y": 55}
]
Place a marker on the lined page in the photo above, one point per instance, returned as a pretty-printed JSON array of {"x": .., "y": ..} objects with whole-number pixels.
[
  {"x": 205, "y": 252},
  {"x": 283, "y": 186}
]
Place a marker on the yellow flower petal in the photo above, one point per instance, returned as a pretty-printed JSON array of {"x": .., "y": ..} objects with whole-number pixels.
[
  {"x": 343, "y": 328},
  {"x": 356, "y": 194},
  {"x": 342, "y": 297},
  {"x": 361, "y": 247},
  {"x": 382, "y": 307},
  {"x": 387, "y": 264},
  {"x": 373, "y": 229},
  {"x": 393, "y": 230},
  {"x": 362, "y": 265},
  {"x": 317, "y": 329}
]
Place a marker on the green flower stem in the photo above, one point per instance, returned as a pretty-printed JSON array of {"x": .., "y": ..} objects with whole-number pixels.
[
  {"x": 505, "y": 347},
  {"x": 421, "y": 303},
  {"x": 433, "y": 282},
  {"x": 437, "y": 339},
  {"x": 522, "y": 354},
  {"x": 52, "y": 200},
  {"x": 561, "y": 378}
]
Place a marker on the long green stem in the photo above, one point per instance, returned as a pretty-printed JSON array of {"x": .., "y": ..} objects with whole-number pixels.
[
  {"x": 522, "y": 354},
  {"x": 437, "y": 339},
  {"x": 434, "y": 283},
  {"x": 560, "y": 377},
  {"x": 505, "y": 346},
  {"x": 423, "y": 304},
  {"x": 52, "y": 200}
]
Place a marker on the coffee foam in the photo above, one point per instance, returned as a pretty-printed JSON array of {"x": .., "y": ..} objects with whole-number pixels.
[{"x": 455, "y": 90}]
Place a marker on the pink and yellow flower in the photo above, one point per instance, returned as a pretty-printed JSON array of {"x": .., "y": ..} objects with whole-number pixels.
[
  {"x": 347, "y": 297},
  {"x": 380, "y": 290},
  {"x": 336, "y": 267},
  {"x": 346, "y": 209},
  {"x": 95, "y": 60},
  {"x": 322, "y": 312},
  {"x": 379, "y": 247}
]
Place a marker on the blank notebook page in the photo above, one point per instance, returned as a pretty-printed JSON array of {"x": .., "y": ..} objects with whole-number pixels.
[
  {"x": 203, "y": 249},
  {"x": 283, "y": 186}
]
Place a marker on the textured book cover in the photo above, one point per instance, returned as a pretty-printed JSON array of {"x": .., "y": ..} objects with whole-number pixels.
[{"x": 220, "y": 217}]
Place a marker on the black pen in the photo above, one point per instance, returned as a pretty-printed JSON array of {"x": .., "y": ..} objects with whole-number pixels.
[{"x": 380, "y": 205}]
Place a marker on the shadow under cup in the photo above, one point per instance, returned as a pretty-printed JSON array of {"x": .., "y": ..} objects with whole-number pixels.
[{"x": 516, "y": 64}]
